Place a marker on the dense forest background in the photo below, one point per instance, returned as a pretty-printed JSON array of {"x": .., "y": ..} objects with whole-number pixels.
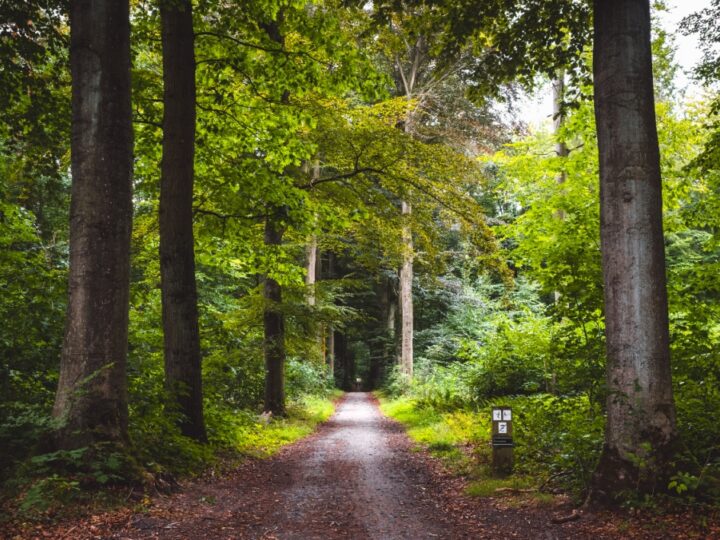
[{"x": 369, "y": 210}]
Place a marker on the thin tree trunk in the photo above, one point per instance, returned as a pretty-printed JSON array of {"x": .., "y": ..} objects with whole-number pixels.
[
  {"x": 274, "y": 324},
  {"x": 331, "y": 330},
  {"x": 311, "y": 269},
  {"x": 640, "y": 407},
  {"x": 183, "y": 376},
  {"x": 405, "y": 84},
  {"x": 331, "y": 352},
  {"x": 344, "y": 357},
  {"x": 92, "y": 391},
  {"x": 406, "y": 299},
  {"x": 392, "y": 343},
  {"x": 561, "y": 149}
]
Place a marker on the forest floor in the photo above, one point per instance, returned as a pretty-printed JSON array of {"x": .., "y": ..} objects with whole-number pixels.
[{"x": 357, "y": 477}]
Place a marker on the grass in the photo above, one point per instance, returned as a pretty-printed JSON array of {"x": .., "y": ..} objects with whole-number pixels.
[
  {"x": 265, "y": 439},
  {"x": 488, "y": 486},
  {"x": 461, "y": 439},
  {"x": 451, "y": 436}
]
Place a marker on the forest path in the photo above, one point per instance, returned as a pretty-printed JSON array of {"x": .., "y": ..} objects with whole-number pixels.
[
  {"x": 354, "y": 479},
  {"x": 358, "y": 477},
  {"x": 353, "y": 482}
]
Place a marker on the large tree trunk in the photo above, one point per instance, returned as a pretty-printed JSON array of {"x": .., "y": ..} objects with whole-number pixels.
[
  {"x": 274, "y": 324},
  {"x": 183, "y": 377},
  {"x": 640, "y": 407},
  {"x": 405, "y": 81},
  {"x": 92, "y": 391},
  {"x": 406, "y": 298}
]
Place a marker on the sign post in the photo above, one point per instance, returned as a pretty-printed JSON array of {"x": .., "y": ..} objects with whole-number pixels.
[{"x": 502, "y": 440}]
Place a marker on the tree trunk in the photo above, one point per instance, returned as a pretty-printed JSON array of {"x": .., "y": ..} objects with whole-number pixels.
[
  {"x": 405, "y": 84},
  {"x": 561, "y": 149},
  {"x": 331, "y": 353},
  {"x": 641, "y": 414},
  {"x": 386, "y": 329},
  {"x": 331, "y": 330},
  {"x": 92, "y": 391},
  {"x": 183, "y": 376},
  {"x": 274, "y": 324},
  {"x": 344, "y": 357},
  {"x": 406, "y": 299},
  {"x": 311, "y": 269}
]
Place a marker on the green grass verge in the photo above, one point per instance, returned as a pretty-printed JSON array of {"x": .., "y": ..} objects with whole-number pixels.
[
  {"x": 460, "y": 438},
  {"x": 453, "y": 436},
  {"x": 265, "y": 439}
]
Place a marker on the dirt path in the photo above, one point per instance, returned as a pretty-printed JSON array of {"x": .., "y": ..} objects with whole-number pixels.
[
  {"x": 346, "y": 481},
  {"x": 352, "y": 481},
  {"x": 356, "y": 478}
]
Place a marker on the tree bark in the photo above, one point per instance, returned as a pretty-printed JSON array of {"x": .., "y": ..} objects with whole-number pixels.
[
  {"x": 311, "y": 251},
  {"x": 331, "y": 353},
  {"x": 389, "y": 300},
  {"x": 641, "y": 414},
  {"x": 92, "y": 391},
  {"x": 406, "y": 299},
  {"x": 561, "y": 149},
  {"x": 405, "y": 84},
  {"x": 274, "y": 324},
  {"x": 183, "y": 375},
  {"x": 344, "y": 357}
]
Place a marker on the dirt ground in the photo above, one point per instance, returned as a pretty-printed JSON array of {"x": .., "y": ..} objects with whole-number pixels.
[{"x": 357, "y": 477}]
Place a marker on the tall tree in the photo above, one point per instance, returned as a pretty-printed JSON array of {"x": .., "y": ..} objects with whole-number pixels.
[
  {"x": 640, "y": 427},
  {"x": 183, "y": 377},
  {"x": 274, "y": 322},
  {"x": 406, "y": 297},
  {"x": 91, "y": 397}
]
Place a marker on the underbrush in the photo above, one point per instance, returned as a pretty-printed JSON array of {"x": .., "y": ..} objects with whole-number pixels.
[
  {"x": 557, "y": 440},
  {"x": 65, "y": 483}
]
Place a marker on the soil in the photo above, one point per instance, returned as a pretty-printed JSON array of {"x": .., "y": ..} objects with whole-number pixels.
[{"x": 358, "y": 477}]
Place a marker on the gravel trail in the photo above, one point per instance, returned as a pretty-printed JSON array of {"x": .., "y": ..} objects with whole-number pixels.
[{"x": 352, "y": 468}]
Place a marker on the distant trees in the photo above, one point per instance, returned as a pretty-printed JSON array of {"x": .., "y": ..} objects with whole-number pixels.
[{"x": 91, "y": 397}]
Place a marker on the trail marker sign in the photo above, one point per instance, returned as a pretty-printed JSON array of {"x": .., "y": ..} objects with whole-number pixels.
[{"x": 502, "y": 439}]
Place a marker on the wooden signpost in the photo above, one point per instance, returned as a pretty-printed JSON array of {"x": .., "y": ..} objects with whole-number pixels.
[{"x": 502, "y": 440}]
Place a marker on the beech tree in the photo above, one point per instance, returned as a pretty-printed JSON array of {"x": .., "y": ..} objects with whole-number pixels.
[
  {"x": 640, "y": 429},
  {"x": 183, "y": 377},
  {"x": 91, "y": 396},
  {"x": 274, "y": 321}
]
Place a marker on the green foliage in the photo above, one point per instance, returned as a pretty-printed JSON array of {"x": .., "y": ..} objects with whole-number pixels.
[
  {"x": 48, "y": 492},
  {"x": 558, "y": 440},
  {"x": 295, "y": 120}
]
